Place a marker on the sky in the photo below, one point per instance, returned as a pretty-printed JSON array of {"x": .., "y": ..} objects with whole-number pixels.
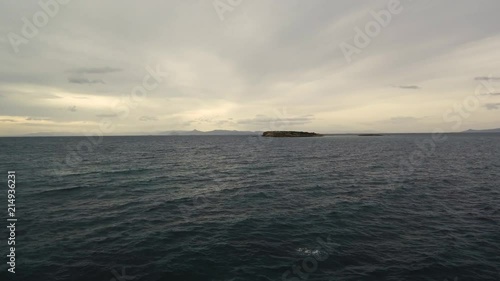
[{"x": 133, "y": 67}]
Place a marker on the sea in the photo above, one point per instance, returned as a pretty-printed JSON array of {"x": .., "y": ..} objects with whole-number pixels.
[{"x": 246, "y": 208}]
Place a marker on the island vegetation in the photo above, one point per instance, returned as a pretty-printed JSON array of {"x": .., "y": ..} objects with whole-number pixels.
[{"x": 289, "y": 134}]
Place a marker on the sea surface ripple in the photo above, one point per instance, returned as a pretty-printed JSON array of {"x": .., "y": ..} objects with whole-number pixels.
[{"x": 241, "y": 208}]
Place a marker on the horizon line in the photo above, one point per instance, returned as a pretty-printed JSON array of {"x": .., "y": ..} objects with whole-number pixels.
[{"x": 249, "y": 134}]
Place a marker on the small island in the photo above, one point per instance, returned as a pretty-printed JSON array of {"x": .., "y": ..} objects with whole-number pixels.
[
  {"x": 289, "y": 134},
  {"x": 370, "y": 135}
]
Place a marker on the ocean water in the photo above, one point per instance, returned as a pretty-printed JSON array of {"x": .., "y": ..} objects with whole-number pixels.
[{"x": 400, "y": 207}]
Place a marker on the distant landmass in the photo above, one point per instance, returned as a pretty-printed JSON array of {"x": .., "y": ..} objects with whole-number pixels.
[
  {"x": 165, "y": 133},
  {"x": 230, "y": 133},
  {"x": 484, "y": 131},
  {"x": 289, "y": 134},
  {"x": 209, "y": 133},
  {"x": 52, "y": 134}
]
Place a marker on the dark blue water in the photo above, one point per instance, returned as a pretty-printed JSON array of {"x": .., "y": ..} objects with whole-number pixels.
[{"x": 247, "y": 208}]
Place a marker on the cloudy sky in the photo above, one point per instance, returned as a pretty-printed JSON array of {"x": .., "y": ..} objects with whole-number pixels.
[{"x": 316, "y": 65}]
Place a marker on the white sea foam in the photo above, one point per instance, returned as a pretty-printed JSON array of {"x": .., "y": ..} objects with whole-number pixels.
[{"x": 309, "y": 252}]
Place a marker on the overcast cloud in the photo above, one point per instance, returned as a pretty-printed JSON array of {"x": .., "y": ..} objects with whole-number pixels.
[{"x": 259, "y": 65}]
